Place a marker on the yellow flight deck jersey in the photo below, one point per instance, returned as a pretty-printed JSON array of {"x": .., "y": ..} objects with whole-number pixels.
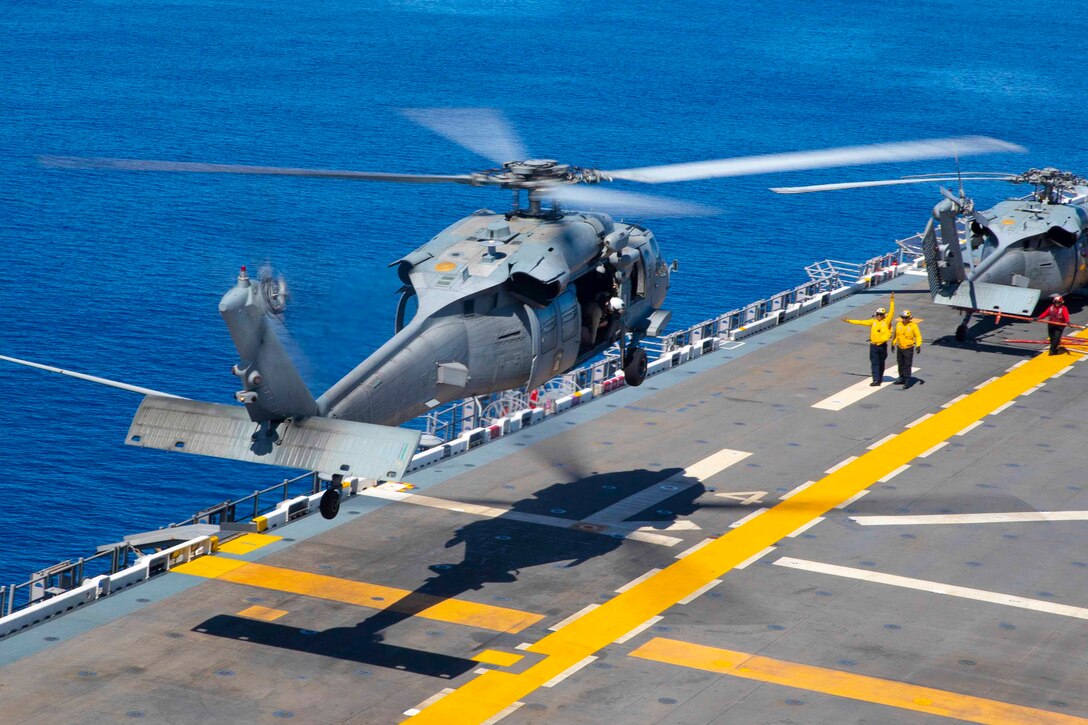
[
  {"x": 880, "y": 331},
  {"x": 908, "y": 335}
]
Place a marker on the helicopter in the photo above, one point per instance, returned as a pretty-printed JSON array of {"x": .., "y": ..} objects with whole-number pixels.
[
  {"x": 504, "y": 299},
  {"x": 1009, "y": 257}
]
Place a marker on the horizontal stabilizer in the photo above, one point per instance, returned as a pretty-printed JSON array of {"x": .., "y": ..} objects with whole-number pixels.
[
  {"x": 990, "y": 297},
  {"x": 327, "y": 445}
]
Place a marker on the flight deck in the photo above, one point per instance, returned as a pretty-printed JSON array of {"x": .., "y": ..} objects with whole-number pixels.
[{"x": 757, "y": 536}]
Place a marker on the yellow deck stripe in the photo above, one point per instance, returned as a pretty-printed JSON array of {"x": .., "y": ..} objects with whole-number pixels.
[
  {"x": 497, "y": 658},
  {"x": 247, "y": 543},
  {"x": 374, "y": 596},
  {"x": 846, "y": 684},
  {"x": 491, "y": 692}
]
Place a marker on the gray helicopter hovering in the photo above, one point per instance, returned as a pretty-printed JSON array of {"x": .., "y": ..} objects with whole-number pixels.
[
  {"x": 503, "y": 300},
  {"x": 1005, "y": 259}
]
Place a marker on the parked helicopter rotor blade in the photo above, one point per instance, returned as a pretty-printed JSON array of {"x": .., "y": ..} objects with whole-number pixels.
[
  {"x": 482, "y": 130},
  {"x": 822, "y": 159},
  {"x": 79, "y": 162},
  {"x": 621, "y": 203},
  {"x": 884, "y": 182}
]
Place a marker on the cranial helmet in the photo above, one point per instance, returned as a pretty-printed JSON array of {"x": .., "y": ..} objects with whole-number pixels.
[
  {"x": 881, "y": 311},
  {"x": 907, "y": 314},
  {"x": 1058, "y": 299}
]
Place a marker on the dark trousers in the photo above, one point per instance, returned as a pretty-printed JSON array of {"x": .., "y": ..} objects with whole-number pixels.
[
  {"x": 878, "y": 358},
  {"x": 904, "y": 357},
  {"x": 1055, "y": 332}
]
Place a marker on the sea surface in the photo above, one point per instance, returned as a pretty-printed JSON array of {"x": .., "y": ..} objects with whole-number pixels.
[{"x": 119, "y": 274}]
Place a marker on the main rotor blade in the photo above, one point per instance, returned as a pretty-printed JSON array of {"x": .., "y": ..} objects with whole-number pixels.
[
  {"x": 89, "y": 378},
  {"x": 825, "y": 158},
  {"x": 79, "y": 162},
  {"x": 483, "y": 130},
  {"x": 886, "y": 182},
  {"x": 624, "y": 203}
]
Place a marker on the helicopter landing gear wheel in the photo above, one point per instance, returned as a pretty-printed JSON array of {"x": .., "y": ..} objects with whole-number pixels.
[
  {"x": 330, "y": 503},
  {"x": 961, "y": 333},
  {"x": 635, "y": 366}
]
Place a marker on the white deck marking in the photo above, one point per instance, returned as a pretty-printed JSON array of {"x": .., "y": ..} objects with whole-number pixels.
[
  {"x": 882, "y": 441},
  {"x": 569, "y": 671},
  {"x": 984, "y": 383},
  {"x": 429, "y": 701},
  {"x": 1029, "y": 391},
  {"x": 970, "y": 428},
  {"x": 989, "y": 518},
  {"x": 924, "y": 585},
  {"x": 802, "y": 529},
  {"x": 577, "y": 615},
  {"x": 639, "y": 629},
  {"x": 636, "y": 582},
  {"x": 700, "y": 591},
  {"x": 840, "y": 464},
  {"x": 854, "y": 393},
  {"x": 754, "y": 558},
  {"x": 1061, "y": 372},
  {"x": 693, "y": 549},
  {"x": 502, "y": 713},
  {"x": 894, "y": 473},
  {"x": 1022, "y": 362},
  {"x": 913, "y": 423},
  {"x": 1006, "y": 406},
  {"x": 796, "y": 491},
  {"x": 955, "y": 400},
  {"x": 693, "y": 475},
  {"x": 681, "y": 525},
  {"x": 610, "y": 518},
  {"x": 746, "y": 519},
  {"x": 744, "y": 498},
  {"x": 852, "y": 499},
  {"x": 933, "y": 450}
]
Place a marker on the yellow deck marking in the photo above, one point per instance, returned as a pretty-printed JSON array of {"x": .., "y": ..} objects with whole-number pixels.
[
  {"x": 497, "y": 658},
  {"x": 210, "y": 567},
  {"x": 374, "y": 596},
  {"x": 266, "y": 614},
  {"x": 845, "y": 684},
  {"x": 493, "y": 691},
  {"x": 247, "y": 543}
]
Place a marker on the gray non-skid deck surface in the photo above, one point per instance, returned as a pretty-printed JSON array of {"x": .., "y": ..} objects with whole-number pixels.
[{"x": 190, "y": 656}]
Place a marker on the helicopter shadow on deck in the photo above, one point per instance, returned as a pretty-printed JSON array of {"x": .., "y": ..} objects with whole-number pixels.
[{"x": 496, "y": 551}]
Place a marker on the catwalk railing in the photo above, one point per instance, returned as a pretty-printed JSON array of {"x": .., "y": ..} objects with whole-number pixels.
[{"x": 461, "y": 426}]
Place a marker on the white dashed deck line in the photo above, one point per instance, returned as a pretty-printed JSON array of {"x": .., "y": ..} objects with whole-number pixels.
[
  {"x": 746, "y": 519},
  {"x": 1061, "y": 372},
  {"x": 848, "y": 396},
  {"x": 1031, "y": 390},
  {"x": 700, "y": 591},
  {"x": 882, "y": 441},
  {"x": 933, "y": 450},
  {"x": 502, "y": 713},
  {"x": 754, "y": 558},
  {"x": 1003, "y": 408},
  {"x": 924, "y": 418},
  {"x": 984, "y": 383},
  {"x": 636, "y": 582},
  {"x": 805, "y": 528},
  {"x": 639, "y": 629},
  {"x": 955, "y": 400},
  {"x": 852, "y": 499},
  {"x": 1022, "y": 362},
  {"x": 840, "y": 464},
  {"x": 970, "y": 428},
  {"x": 428, "y": 702},
  {"x": 894, "y": 473},
  {"x": 569, "y": 671},
  {"x": 574, "y": 617},
  {"x": 693, "y": 549},
  {"x": 796, "y": 491}
]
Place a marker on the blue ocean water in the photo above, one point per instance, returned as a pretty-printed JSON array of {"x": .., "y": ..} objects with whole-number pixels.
[{"x": 119, "y": 274}]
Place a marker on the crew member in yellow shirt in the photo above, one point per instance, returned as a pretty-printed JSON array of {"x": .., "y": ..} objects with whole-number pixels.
[
  {"x": 880, "y": 331},
  {"x": 907, "y": 342}
]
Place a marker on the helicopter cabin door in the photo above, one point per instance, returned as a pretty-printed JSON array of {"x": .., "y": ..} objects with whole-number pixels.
[{"x": 557, "y": 337}]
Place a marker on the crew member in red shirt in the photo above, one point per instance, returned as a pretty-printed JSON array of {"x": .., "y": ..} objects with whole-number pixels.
[{"x": 1057, "y": 317}]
